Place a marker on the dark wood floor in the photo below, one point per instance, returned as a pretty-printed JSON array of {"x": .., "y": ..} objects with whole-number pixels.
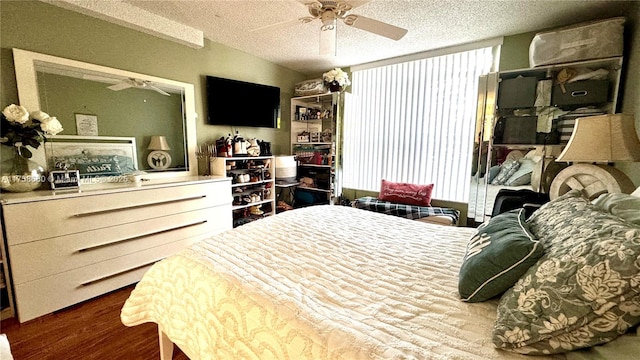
[{"x": 90, "y": 330}]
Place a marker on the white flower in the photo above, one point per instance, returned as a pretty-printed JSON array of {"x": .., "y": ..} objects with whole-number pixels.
[
  {"x": 39, "y": 115},
  {"x": 337, "y": 75},
  {"x": 21, "y": 129},
  {"x": 51, "y": 125},
  {"x": 16, "y": 113}
]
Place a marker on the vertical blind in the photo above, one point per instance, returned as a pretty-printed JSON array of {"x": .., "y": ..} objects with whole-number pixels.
[{"x": 414, "y": 122}]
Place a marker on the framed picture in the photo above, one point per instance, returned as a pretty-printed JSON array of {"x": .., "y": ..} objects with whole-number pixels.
[
  {"x": 96, "y": 158},
  {"x": 86, "y": 124},
  {"x": 64, "y": 179}
]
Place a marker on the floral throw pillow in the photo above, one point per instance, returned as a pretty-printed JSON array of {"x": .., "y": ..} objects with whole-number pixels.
[
  {"x": 585, "y": 289},
  {"x": 506, "y": 171}
]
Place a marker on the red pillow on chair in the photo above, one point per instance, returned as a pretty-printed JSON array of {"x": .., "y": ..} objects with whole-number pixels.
[{"x": 404, "y": 193}]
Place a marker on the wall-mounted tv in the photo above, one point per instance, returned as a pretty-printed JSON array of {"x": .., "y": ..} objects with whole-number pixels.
[{"x": 239, "y": 103}]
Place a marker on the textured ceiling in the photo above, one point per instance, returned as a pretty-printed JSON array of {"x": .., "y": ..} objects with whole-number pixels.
[{"x": 431, "y": 25}]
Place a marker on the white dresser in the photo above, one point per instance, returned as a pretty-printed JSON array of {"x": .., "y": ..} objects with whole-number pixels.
[{"x": 64, "y": 248}]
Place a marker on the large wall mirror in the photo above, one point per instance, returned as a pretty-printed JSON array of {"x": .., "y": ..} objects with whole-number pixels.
[{"x": 96, "y": 101}]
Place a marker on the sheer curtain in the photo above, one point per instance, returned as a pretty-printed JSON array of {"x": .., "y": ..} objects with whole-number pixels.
[{"x": 413, "y": 121}]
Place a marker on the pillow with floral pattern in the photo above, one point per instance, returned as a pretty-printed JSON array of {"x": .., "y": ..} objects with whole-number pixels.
[{"x": 585, "y": 289}]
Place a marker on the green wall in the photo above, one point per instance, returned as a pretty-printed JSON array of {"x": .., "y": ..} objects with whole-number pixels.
[{"x": 47, "y": 29}]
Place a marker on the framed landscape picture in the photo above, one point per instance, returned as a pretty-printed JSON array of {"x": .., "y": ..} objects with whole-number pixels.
[{"x": 105, "y": 158}]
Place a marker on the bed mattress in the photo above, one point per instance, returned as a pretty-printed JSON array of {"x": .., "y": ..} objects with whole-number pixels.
[{"x": 322, "y": 282}]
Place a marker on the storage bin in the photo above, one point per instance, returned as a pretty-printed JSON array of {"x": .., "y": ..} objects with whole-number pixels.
[
  {"x": 519, "y": 92},
  {"x": 310, "y": 87},
  {"x": 580, "y": 93},
  {"x": 592, "y": 40},
  {"x": 516, "y": 130}
]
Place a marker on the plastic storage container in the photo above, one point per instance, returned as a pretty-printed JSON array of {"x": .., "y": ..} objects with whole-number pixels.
[
  {"x": 310, "y": 87},
  {"x": 592, "y": 40}
]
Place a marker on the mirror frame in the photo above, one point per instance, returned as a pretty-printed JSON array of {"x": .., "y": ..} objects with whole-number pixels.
[{"x": 26, "y": 80}]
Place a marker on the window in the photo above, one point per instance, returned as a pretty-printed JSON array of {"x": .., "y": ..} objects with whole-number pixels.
[{"x": 414, "y": 122}]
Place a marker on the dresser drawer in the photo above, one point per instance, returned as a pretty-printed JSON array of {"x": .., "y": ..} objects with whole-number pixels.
[
  {"x": 55, "y": 292},
  {"x": 80, "y": 214},
  {"x": 38, "y": 259}
]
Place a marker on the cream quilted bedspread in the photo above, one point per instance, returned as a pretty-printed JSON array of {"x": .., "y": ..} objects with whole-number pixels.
[{"x": 324, "y": 282}]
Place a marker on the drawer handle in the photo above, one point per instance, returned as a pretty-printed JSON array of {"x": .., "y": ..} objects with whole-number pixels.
[
  {"x": 139, "y": 206},
  {"x": 579, "y": 93},
  {"x": 106, "y": 277},
  {"x": 94, "y": 247}
]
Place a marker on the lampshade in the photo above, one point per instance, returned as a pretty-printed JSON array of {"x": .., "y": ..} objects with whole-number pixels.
[
  {"x": 603, "y": 138},
  {"x": 286, "y": 167},
  {"x": 158, "y": 142}
]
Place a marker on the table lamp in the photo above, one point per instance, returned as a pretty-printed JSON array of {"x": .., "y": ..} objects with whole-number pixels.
[
  {"x": 596, "y": 142},
  {"x": 159, "y": 158}
]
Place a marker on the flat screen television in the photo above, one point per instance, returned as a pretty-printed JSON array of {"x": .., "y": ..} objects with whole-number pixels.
[{"x": 240, "y": 103}]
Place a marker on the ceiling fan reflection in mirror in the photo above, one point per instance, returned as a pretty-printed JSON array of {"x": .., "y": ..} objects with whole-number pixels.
[
  {"x": 127, "y": 83},
  {"x": 328, "y": 12},
  {"x": 136, "y": 83}
]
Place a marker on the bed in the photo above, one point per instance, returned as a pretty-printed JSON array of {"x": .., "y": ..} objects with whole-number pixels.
[{"x": 321, "y": 282}]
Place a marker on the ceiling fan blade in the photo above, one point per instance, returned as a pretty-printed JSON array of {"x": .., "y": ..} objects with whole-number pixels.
[
  {"x": 375, "y": 26},
  {"x": 103, "y": 79},
  {"x": 158, "y": 90},
  {"x": 119, "y": 86},
  {"x": 328, "y": 40}
]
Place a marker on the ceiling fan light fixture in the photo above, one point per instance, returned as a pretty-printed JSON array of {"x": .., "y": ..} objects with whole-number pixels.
[{"x": 328, "y": 19}]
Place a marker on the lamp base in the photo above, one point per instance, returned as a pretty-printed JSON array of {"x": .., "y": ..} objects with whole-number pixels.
[
  {"x": 592, "y": 180},
  {"x": 159, "y": 160}
]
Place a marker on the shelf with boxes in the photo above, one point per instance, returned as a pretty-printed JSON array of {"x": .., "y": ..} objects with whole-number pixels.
[
  {"x": 314, "y": 142},
  {"x": 539, "y": 105},
  {"x": 252, "y": 186}
]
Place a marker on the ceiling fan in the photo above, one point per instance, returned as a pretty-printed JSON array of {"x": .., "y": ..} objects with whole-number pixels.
[
  {"x": 328, "y": 12},
  {"x": 121, "y": 84},
  {"x": 136, "y": 83}
]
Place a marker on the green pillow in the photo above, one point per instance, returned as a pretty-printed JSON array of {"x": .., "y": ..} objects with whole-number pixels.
[{"x": 497, "y": 255}]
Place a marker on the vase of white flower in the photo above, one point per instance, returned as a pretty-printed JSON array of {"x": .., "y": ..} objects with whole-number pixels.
[
  {"x": 20, "y": 174},
  {"x": 21, "y": 130},
  {"x": 336, "y": 79}
]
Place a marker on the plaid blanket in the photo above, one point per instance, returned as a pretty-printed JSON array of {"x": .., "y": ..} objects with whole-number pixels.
[{"x": 411, "y": 212}]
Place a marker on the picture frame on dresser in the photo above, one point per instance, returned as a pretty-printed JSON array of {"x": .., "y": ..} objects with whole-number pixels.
[{"x": 103, "y": 158}]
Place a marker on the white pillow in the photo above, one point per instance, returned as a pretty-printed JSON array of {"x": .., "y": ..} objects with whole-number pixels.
[
  {"x": 636, "y": 193},
  {"x": 523, "y": 175},
  {"x": 533, "y": 155}
]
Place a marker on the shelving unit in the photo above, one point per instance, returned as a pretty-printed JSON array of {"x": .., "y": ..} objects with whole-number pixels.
[
  {"x": 252, "y": 186},
  {"x": 315, "y": 141},
  {"x": 601, "y": 94},
  {"x": 513, "y": 94}
]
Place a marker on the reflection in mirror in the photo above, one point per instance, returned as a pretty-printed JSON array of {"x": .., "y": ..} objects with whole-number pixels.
[
  {"x": 92, "y": 100},
  {"x": 487, "y": 87}
]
